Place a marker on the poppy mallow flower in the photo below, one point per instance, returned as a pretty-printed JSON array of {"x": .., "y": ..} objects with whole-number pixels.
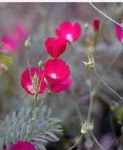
[
  {"x": 119, "y": 32},
  {"x": 22, "y": 145},
  {"x": 96, "y": 24},
  {"x": 20, "y": 33},
  {"x": 56, "y": 71},
  {"x": 33, "y": 80},
  {"x": 10, "y": 42},
  {"x": 55, "y": 46},
  {"x": 61, "y": 86},
  {"x": 69, "y": 30}
]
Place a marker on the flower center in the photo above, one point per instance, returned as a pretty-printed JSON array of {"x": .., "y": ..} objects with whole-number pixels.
[
  {"x": 53, "y": 75},
  {"x": 69, "y": 37}
]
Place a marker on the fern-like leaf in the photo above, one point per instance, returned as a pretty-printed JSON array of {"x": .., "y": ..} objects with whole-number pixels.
[{"x": 32, "y": 124}]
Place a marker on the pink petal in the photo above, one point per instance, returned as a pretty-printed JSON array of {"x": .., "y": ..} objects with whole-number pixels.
[
  {"x": 8, "y": 43},
  {"x": 62, "y": 86},
  {"x": 20, "y": 32},
  {"x": 63, "y": 28},
  {"x": 55, "y": 46},
  {"x": 119, "y": 33},
  {"x": 26, "y": 80},
  {"x": 22, "y": 145},
  {"x": 56, "y": 70},
  {"x": 76, "y": 31},
  {"x": 69, "y": 31}
]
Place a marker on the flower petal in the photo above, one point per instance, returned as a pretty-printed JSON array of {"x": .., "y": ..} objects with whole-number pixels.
[
  {"x": 119, "y": 33},
  {"x": 22, "y": 145},
  {"x": 56, "y": 70},
  {"x": 69, "y": 31},
  {"x": 8, "y": 43},
  {"x": 55, "y": 46},
  {"x": 62, "y": 86},
  {"x": 27, "y": 83}
]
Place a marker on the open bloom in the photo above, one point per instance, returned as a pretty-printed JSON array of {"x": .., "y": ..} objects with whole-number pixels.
[
  {"x": 96, "y": 24},
  {"x": 55, "y": 46},
  {"x": 69, "y": 31},
  {"x": 119, "y": 33},
  {"x": 22, "y": 145},
  {"x": 56, "y": 70},
  {"x": 20, "y": 33},
  {"x": 10, "y": 42},
  {"x": 55, "y": 76},
  {"x": 33, "y": 81},
  {"x": 57, "y": 73}
]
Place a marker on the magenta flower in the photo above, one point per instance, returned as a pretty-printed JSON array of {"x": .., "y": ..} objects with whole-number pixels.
[
  {"x": 56, "y": 71},
  {"x": 55, "y": 77},
  {"x": 55, "y": 46},
  {"x": 22, "y": 145},
  {"x": 62, "y": 86},
  {"x": 33, "y": 78},
  {"x": 10, "y": 42},
  {"x": 119, "y": 33},
  {"x": 20, "y": 33},
  {"x": 96, "y": 24},
  {"x": 69, "y": 31}
]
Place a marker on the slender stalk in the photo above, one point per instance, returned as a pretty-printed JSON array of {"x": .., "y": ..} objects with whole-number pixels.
[
  {"x": 72, "y": 147},
  {"x": 35, "y": 99},
  {"x": 104, "y": 83},
  {"x": 90, "y": 104},
  {"x": 96, "y": 141},
  {"x": 105, "y": 15}
]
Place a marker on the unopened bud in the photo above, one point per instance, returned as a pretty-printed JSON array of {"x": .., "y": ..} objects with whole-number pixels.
[
  {"x": 40, "y": 63},
  {"x": 28, "y": 42}
]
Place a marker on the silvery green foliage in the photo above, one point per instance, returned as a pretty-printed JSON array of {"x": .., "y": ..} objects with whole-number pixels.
[{"x": 34, "y": 124}]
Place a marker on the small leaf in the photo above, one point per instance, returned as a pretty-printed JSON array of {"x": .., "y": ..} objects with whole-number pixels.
[
  {"x": 5, "y": 59},
  {"x": 119, "y": 114},
  {"x": 20, "y": 125}
]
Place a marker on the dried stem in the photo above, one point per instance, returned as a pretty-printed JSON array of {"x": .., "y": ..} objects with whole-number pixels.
[
  {"x": 76, "y": 144},
  {"x": 110, "y": 88},
  {"x": 96, "y": 141},
  {"x": 105, "y": 15},
  {"x": 90, "y": 103}
]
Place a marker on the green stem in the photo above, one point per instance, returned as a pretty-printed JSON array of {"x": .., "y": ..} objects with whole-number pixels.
[
  {"x": 90, "y": 104},
  {"x": 106, "y": 84},
  {"x": 35, "y": 99}
]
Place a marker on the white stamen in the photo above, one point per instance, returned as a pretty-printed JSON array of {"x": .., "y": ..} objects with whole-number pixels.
[
  {"x": 31, "y": 89},
  {"x": 53, "y": 75},
  {"x": 69, "y": 37}
]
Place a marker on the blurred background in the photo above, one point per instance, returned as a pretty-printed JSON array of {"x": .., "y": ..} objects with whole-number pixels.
[{"x": 41, "y": 19}]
